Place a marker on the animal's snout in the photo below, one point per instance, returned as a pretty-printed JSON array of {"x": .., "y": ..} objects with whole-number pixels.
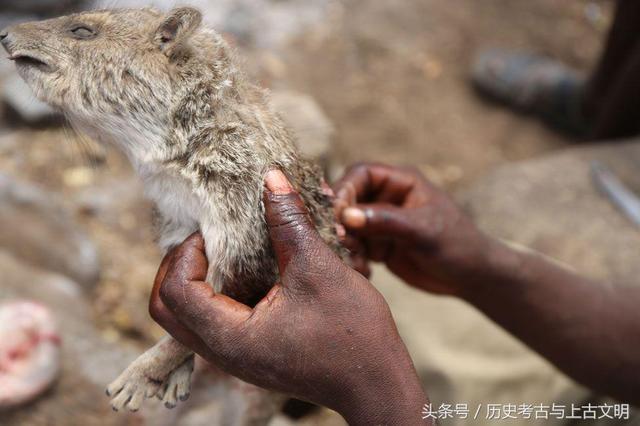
[{"x": 10, "y": 37}]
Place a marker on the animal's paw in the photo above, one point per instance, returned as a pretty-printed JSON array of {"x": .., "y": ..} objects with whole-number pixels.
[
  {"x": 178, "y": 384},
  {"x": 131, "y": 388}
]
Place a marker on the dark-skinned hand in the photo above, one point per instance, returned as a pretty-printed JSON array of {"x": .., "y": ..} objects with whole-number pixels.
[
  {"x": 395, "y": 216},
  {"x": 323, "y": 333}
]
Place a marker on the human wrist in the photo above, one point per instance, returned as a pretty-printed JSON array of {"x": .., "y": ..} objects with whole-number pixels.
[
  {"x": 388, "y": 409},
  {"x": 395, "y": 399},
  {"x": 499, "y": 264},
  {"x": 463, "y": 263}
]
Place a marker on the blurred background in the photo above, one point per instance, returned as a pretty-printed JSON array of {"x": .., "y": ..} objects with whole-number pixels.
[{"x": 357, "y": 80}]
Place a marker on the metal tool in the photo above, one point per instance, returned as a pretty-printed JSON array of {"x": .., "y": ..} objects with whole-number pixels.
[{"x": 618, "y": 193}]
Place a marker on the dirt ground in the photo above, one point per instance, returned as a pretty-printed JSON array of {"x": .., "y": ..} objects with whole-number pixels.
[{"x": 392, "y": 77}]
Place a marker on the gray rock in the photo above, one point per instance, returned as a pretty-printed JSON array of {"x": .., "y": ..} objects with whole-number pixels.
[
  {"x": 307, "y": 120},
  {"x": 109, "y": 198},
  {"x": 36, "y": 228}
]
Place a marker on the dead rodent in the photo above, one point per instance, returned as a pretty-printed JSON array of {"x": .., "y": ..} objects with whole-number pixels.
[{"x": 167, "y": 91}]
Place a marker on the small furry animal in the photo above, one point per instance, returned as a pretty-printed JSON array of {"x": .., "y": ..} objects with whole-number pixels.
[{"x": 167, "y": 91}]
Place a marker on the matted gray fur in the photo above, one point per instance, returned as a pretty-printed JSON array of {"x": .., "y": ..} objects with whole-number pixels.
[{"x": 167, "y": 92}]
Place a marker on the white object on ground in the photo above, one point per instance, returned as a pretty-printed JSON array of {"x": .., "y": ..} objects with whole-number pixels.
[{"x": 29, "y": 352}]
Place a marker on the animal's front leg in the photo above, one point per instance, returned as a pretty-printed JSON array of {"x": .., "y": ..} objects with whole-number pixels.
[{"x": 165, "y": 368}]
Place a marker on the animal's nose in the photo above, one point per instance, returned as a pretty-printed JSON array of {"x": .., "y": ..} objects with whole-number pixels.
[{"x": 5, "y": 40}]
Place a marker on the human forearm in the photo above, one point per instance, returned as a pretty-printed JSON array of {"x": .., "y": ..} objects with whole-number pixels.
[{"x": 589, "y": 330}]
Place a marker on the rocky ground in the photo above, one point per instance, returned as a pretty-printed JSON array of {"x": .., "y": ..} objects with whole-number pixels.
[{"x": 391, "y": 78}]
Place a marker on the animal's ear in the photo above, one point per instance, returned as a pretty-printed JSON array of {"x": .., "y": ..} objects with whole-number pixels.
[{"x": 176, "y": 28}]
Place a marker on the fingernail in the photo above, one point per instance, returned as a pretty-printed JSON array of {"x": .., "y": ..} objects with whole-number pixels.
[
  {"x": 277, "y": 182},
  {"x": 353, "y": 217}
]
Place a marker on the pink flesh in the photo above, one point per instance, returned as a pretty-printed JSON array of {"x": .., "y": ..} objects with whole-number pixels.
[{"x": 29, "y": 352}]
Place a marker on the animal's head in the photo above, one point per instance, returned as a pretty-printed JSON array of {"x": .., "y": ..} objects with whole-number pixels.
[{"x": 120, "y": 74}]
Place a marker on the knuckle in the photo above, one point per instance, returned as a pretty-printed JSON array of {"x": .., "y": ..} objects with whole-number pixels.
[
  {"x": 293, "y": 228},
  {"x": 285, "y": 206}
]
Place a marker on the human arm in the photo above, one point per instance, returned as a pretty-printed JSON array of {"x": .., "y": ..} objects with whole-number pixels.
[
  {"x": 589, "y": 330},
  {"x": 323, "y": 333}
]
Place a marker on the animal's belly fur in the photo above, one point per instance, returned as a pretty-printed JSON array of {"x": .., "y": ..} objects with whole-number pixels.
[
  {"x": 241, "y": 263},
  {"x": 253, "y": 274}
]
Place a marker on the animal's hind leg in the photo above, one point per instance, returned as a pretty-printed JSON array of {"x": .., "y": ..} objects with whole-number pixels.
[
  {"x": 178, "y": 386},
  {"x": 166, "y": 367}
]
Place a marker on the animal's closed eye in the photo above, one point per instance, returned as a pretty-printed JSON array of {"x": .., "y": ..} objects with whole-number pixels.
[{"x": 82, "y": 32}]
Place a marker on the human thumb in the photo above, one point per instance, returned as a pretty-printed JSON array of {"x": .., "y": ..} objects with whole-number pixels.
[{"x": 291, "y": 230}]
